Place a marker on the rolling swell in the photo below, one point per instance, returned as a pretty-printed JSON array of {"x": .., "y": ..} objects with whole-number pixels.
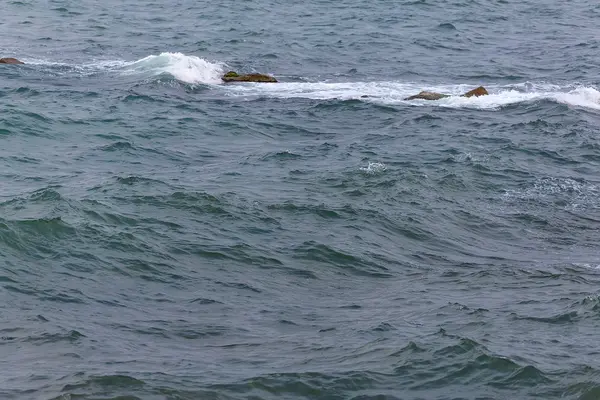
[
  {"x": 464, "y": 361},
  {"x": 164, "y": 235}
]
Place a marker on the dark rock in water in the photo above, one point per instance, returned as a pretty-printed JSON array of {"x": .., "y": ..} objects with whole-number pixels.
[
  {"x": 10, "y": 60},
  {"x": 232, "y": 76},
  {"x": 480, "y": 91},
  {"x": 427, "y": 96}
]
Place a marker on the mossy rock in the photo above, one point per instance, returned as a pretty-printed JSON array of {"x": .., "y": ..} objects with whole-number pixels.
[
  {"x": 424, "y": 95},
  {"x": 232, "y": 76},
  {"x": 10, "y": 60}
]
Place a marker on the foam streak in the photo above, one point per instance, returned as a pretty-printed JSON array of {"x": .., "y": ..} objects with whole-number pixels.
[{"x": 392, "y": 93}]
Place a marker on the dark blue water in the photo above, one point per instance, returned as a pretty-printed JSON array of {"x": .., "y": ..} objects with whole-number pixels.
[{"x": 165, "y": 236}]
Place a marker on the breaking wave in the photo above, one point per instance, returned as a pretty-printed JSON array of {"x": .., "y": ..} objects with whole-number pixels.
[
  {"x": 188, "y": 69},
  {"x": 392, "y": 93},
  {"x": 196, "y": 70}
]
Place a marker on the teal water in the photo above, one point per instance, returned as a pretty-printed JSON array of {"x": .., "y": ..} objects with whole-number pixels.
[{"x": 165, "y": 236}]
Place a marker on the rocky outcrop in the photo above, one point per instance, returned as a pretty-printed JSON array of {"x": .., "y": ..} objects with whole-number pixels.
[
  {"x": 10, "y": 60},
  {"x": 424, "y": 95},
  {"x": 480, "y": 91},
  {"x": 232, "y": 76}
]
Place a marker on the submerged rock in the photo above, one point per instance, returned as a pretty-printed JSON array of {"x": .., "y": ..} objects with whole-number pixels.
[
  {"x": 424, "y": 95},
  {"x": 232, "y": 76},
  {"x": 427, "y": 96},
  {"x": 10, "y": 60}
]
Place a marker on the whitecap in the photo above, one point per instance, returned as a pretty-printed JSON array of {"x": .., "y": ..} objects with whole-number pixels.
[{"x": 374, "y": 168}]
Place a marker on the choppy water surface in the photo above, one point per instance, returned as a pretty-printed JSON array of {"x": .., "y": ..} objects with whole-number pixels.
[{"x": 166, "y": 236}]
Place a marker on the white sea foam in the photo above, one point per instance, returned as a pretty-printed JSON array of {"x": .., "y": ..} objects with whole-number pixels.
[
  {"x": 581, "y": 97},
  {"x": 393, "y": 93},
  {"x": 189, "y": 69},
  {"x": 68, "y": 69},
  {"x": 193, "y": 69},
  {"x": 374, "y": 168}
]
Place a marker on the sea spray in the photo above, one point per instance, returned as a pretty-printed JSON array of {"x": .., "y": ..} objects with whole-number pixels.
[{"x": 188, "y": 69}]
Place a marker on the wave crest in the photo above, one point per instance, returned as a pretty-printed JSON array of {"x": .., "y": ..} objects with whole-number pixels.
[
  {"x": 189, "y": 69},
  {"x": 196, "y": 70}
]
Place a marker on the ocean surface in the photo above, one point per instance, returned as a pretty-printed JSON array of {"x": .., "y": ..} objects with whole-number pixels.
[{"x": 166, "y": 236}]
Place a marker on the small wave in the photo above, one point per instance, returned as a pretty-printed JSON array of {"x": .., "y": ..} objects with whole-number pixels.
[
  {"x": 319, "y": 210},
  {"x": 188, "y": 69},
  {"x": 46, "y": 337},
  {"x": 346, "y": 262},
  {"x": 105, "y": 381},
  {"x": 373, "y": 168},
  {"x": 462, "y": 363},
  {"x": 585, "y": 309},
  {"x": 285, "y": 155},
  {"x": 566, "y": 192},
  {"x": 593, "y": 266},
  {"x": 446, "y": 27}
]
